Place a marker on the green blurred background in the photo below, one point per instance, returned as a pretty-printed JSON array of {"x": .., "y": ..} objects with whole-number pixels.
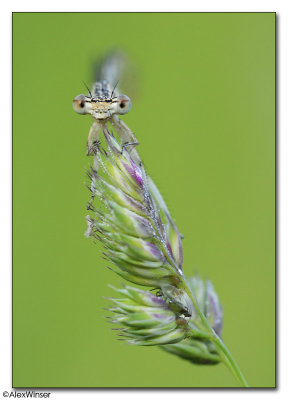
[{"x": 204, "y": 116}]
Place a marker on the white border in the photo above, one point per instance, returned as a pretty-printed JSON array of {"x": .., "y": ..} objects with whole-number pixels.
[{"x": 5, "y": 167}]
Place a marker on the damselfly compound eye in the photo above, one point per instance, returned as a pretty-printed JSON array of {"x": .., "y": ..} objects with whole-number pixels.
[
  {"x": 124, "y": 104},
  {"x": 79, "y": 104}
]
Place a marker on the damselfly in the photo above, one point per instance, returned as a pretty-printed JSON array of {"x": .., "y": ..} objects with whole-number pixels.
[{"x": 104, "y": 103}]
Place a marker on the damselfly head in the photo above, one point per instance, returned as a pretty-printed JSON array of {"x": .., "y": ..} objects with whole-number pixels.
[{"x": 102, "y": 107}]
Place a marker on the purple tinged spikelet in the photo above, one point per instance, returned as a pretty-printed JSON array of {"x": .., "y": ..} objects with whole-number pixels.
[
  {"x": 135, "y": 220},
  {"x": 147, "y": 318},
  {"x": 208, "y": 302}
]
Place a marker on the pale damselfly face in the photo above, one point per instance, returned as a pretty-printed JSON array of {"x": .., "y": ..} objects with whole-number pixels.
[{"x": 102, "y": 103}]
